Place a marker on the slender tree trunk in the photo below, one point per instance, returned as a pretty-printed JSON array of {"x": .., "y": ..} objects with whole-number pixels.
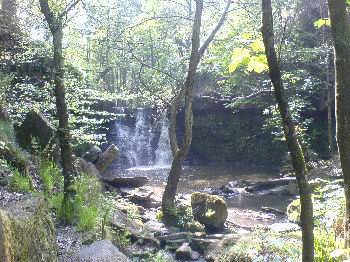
[
  {"x": 186, "y": 92},
  {"x": 168, "y": 200},
  {"x": 62, "y": 114},
  {"x": 294, "y": 147},
  {"x": 340, "y": 25},
  {"x": 56, "y": 27}
]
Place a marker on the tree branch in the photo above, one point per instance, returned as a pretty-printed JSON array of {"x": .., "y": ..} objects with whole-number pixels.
[
  {"x": 215, "y": 30},
  {"x": 69, "y": 8}
]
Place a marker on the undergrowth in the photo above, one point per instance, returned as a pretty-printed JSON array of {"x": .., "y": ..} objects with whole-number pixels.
[
  {"x": 86, "y": 204},
  {"x": 20, "y": 182}
]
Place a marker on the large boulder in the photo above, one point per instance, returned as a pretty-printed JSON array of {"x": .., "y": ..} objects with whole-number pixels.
[
  {"x": 101, "y": 251},
  {"x": 35, "y": 125},
  {"x": 93, "y": 154},
  {"x": 106, "y": 158},
  {"x": 209, "y": 210},
  {"x": 27, "y": 232}
]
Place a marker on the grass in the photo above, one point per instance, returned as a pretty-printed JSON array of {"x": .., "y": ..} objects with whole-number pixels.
[
  {"x": 85, "y": 209},
  {"x": 50, "y": 176},
  {"x": 325, "y": 244}
]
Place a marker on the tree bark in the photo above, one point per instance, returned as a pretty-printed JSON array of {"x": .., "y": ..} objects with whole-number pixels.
[
  {"x": 56, "y": 28},
  {"x": 186, "y": 92},
  {"x": 294, "y": 146},
  {"x": 329, "y": 107},
  {"x": 340, "y": 26}
]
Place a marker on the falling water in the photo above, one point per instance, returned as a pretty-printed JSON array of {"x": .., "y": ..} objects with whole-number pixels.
[
  {"x": 142, "y": 139},
  {"x": 141, "y": 143},
  {"x": 163, "y": 152}
]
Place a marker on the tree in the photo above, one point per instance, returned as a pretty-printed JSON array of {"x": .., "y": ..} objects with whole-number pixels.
[
  {"x": 55, "y": 22},
  {"x": 299, "y": 165},
  {"x": 340, "y": 26},
  {"x": 180, "y": 152}
]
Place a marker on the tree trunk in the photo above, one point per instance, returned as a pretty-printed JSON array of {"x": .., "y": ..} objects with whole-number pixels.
[
  {"x": 62, "y": 114},
  {"x": 341, "y": 37},
  {"x": 56, "y": 27},
  {"x": 329, "y": 107},
  {"x": 180, "y": 152},
  {"x": 299, "y": 165},
  {"x": 168, "y": 200}
]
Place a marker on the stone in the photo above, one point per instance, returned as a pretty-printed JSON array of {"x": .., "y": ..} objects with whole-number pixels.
[
  {"x": 106, "y": 158},
  {"x": 35, "y": 125},
  {"x": 284, "y": 227},
  {"x": 93, "y": 154},
  {"x": 27, "y": 232},
  {"x": 86, "y": 167},
  {"x": 214, "y": 249},
  {"x": 270, "y": 184},
  {"x": 101, "y": 251},
  {"x": 144, "y": 196},
  {"x": 121, "y": 221},
  {"x": 122, "y": 182},
  {"x": 185, "y": 252},
  {"x": 209, "y": 210}
]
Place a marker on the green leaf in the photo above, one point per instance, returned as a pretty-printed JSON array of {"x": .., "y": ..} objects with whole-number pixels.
[
  {"x": 257, "y": 46},
  {"x": 257, "y": 64},
  {"x": 322, "y": 22},
  {"x": 240, "y": 56}
]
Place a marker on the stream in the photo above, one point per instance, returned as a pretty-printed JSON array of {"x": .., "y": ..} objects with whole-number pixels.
[
  {"x": 145, "y": 151},
  {"x": 245, "y": 209}
]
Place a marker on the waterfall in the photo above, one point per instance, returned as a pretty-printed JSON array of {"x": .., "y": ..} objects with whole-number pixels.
[
  {"x": 142, "y": 139},
  {"x": 163, "y": 152},
  {"x": 141, "y": 142}
]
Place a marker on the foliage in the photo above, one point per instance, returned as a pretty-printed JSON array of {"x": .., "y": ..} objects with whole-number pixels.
[
  {"x": 264, "y": 246},
  {"x": 20, "y": 182},
  {"x": 50, "y": 176},
  {"x": 325, "y": 244},
  {"x": 86, "y": 204}
]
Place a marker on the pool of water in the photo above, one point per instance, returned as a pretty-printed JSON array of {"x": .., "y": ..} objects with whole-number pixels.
[{"x": 244, "y": 209}]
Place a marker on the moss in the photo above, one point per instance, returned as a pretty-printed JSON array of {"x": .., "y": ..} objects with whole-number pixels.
[
  {"x": 27, "y": 233},
  {"x": 209, "y": 210},
  {"x": 293, "y": 211}
]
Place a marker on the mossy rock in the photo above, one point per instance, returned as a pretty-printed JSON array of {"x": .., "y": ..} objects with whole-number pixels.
[
  {"x": 293, "y": 211},
  {"x": 27, "y": 233},
  {"x": 209, "y": 210}
]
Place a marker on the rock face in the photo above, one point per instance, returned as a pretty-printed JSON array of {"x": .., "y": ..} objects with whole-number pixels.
[
  {"x": 101, "y": 251},
  {"x": 27, "y": 233},
  {"x": 209, "y": 210}
]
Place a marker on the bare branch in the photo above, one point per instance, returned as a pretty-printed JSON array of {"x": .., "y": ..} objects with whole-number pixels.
[
  {"x": 69, "y": 8},
  {"x": 215, "y": 30}
]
